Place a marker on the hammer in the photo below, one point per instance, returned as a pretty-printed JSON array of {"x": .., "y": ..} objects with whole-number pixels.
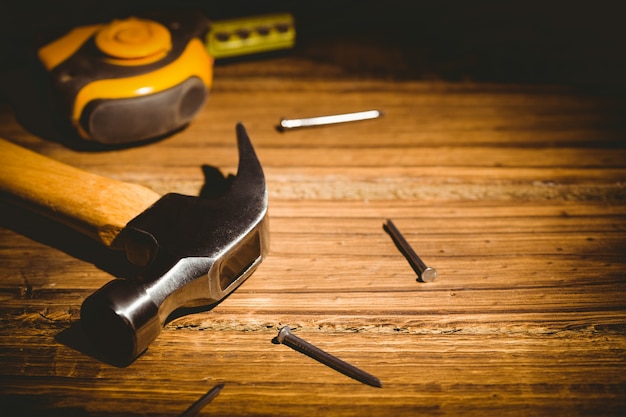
[{"x": 192, "y": 251}]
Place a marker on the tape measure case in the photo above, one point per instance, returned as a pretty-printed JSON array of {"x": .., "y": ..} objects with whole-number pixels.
[{"x": 132, "y": 79}]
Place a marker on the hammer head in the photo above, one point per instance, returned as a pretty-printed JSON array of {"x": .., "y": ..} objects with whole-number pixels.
[{"x": 195, "y": 251}]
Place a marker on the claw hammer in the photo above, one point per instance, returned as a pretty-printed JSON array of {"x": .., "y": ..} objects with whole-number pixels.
[{"x": 193, "y": 251}]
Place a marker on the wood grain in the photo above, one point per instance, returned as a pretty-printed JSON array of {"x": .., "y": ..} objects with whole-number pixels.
[{"x": 515, "y": 193}]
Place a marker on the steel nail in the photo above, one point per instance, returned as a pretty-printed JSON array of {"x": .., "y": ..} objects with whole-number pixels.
[
  {"x": 203, "y": 401},
  {"x": 425, "y": 273},
  {"x": 286, "y": 124},
  {"x": 287, "y": 338}
]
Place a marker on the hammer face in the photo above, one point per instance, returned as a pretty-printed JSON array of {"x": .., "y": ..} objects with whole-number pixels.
[{"x": 197, "y": 251}]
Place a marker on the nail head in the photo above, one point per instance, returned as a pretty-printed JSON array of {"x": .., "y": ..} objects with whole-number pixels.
[
  {"x": 429, "y": 274},
  {"x": 282, "y": 333}
]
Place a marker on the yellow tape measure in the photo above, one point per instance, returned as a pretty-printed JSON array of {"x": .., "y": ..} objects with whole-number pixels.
[
  {"x": 131, "y": 79},
  {"x": 135, "y": 79}
]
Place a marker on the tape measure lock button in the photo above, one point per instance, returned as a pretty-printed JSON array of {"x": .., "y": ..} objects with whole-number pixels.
[{"x": 133, "y": 38}]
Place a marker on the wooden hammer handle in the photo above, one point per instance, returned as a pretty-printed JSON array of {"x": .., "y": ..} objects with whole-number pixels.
[{"x": 97, "y": 206}]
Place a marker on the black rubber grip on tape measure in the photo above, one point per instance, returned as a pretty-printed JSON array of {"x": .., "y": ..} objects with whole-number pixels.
[{"x": 144, "y": 117}]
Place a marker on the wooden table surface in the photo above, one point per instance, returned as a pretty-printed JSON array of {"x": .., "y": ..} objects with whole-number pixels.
[{"x": 515, "y": 193}]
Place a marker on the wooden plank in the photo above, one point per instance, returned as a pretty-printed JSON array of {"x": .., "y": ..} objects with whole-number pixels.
[{"x": 514, "y": 193}]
